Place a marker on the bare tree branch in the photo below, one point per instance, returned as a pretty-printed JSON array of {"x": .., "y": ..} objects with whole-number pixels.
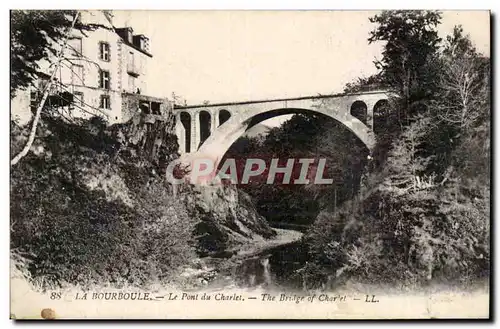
[{"x": 34, "y": 126}]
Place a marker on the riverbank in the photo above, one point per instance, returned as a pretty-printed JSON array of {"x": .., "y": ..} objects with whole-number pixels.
[{"x": 222, "y": 269}]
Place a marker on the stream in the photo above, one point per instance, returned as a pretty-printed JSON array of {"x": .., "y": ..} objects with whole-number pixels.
[{"x": 275, "y": 266}]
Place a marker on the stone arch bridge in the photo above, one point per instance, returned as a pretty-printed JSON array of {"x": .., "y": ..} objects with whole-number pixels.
[{"x": 209, "y": 130}]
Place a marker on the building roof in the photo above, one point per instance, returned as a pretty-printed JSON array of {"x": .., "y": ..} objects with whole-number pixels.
[
  {"x": 125, "y": 41},
  {"x": 135, "y": 47}
]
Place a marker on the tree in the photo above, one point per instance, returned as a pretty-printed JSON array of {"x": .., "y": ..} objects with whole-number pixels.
[
  {"x": 411, "y": 45},
  {"x": 46, "y": 92},
  {"x": 461, "y": 108},
  {"x": 463, "y": 85},
  {"x": 37, "y": 35},
  {"x": 373, "y": 82},
  {"x": 424, "y": 214}
]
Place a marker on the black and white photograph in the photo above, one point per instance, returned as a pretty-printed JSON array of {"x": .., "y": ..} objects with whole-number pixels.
[{"x": 250, "y": 164}]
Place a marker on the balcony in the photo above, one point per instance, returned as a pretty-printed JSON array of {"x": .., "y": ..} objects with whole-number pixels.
[
  {"x": 133, "y": 70},
  {"x": 151, "y": 108}
]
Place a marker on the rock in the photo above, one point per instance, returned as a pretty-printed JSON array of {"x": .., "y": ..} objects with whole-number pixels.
[{"x": 228, "y": 219}]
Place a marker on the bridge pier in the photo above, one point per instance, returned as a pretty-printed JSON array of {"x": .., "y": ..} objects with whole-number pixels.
[
  {"x": 216, "y": 120},
  {"x": 370, "y": 105},
  {"x": 181, "y": 133},
  {"x": 195, "y": 130},
  {"x": 195, "y": 133}
]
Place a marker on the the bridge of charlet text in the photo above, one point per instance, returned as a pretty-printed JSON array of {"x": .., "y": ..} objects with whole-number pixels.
[{"x": 210, "y": 129}]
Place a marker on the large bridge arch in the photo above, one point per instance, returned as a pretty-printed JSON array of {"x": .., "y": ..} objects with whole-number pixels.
[
  {"x": 219, "y": 143},
  {"x": 241, "y": 116}
]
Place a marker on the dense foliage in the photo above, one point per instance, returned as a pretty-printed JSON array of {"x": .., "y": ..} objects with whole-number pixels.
[
  {"x": 303, "y": 136},
  {"x": 423, "y": 214},
  {"x": 83, "y": 213}
]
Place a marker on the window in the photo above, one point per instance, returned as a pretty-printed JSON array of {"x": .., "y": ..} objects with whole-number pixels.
[
  {"x": 105, "y": 102},
  {"x": 132, "y": 67},
  {"x": 75, "y": 45},
  {"x": 131, "y": 59},
  {"x": 104, "y": 79},
  {"x": 78, "y": 99},
  {"x": 77, "y": 74},
  {"x": 104, "y": 51},
  {"x": 131, "y": 83}
]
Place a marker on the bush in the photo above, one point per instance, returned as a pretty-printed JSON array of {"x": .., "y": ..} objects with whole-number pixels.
[
  {"x": 125, "y": 229},
  {"x": 407, "y": 227}
]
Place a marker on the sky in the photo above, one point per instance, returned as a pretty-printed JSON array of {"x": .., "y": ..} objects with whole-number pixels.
[{"x": 221, "y": 56}]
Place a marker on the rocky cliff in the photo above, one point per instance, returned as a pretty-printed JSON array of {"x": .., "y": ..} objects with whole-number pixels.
[
  {"x": 87, "y": 187},
  {"x": 227, "y": 217}
]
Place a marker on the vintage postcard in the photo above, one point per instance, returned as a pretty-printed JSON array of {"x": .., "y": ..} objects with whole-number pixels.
[{"x": 250, "y": 164}]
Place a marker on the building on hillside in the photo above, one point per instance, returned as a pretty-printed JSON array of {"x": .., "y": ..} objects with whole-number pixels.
[{"x": 105, "y": 74}]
